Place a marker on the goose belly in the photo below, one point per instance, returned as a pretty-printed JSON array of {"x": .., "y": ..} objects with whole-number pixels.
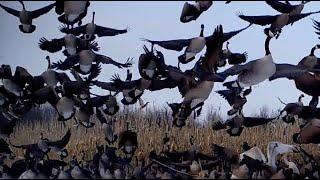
[
  {"x": 74, "y": 7},
  {"x": 196, "y": 45},
  {"x": 281, "y": 21},
  {"x": 90, "y": 29},
  {"x": 12, "y": 87},
  {"x": 86, "y": 59},
  {"x": 25, "y": 18},
  {"x": 65, "y": 107},
  {"x": 70, "y": 42},
  {"x": 257, "y": 74},
  {"x": 49, "y": 77},
  {"x": 202, "y": 91}
]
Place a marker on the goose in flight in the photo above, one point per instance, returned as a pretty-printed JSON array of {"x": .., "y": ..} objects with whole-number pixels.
[
  {"x": 276, "y": 22},
  {"x": 26, "y": 17},
  {"x": 191, "y": 12},
  {"x": 91, "y": 29},
  {"x": 287, "y": 7}
]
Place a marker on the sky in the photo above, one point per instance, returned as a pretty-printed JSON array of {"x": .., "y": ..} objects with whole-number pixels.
[{"x": 160, "y": 21}]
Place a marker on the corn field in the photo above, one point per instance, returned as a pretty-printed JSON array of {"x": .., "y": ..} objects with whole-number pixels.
[{"x": 151, "y": 126}]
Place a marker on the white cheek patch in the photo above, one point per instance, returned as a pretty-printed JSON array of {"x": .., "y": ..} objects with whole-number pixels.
[{"x": 129, "y": 99}]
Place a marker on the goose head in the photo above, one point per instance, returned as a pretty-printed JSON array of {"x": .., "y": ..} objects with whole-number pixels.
[
  {"x": 269, "y": 32},
  {"x": 314, "y": 49}
]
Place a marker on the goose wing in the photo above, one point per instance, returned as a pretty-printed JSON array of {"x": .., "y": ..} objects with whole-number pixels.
[
  {"x": 294, "y": 18},
  {"x": 189, "y": 13},
  {"x": 287, "y": 71},
  {"x": 52, "y": 46},
  {"x": 22, "y": 76},
  {"x": 176, "y": 45},
  {"x": 62, "y": 143},
  {"x": 10, "y": 10},
  {"x": 162, "y": 84},
  {"x": 107, "y": 60},
  {"x": 45, "y": 94},
  {"x": 237, "y": 69},
  {"x": 229, "y": 95},
  {"x": 75, "y": 31},
  {"x": 105, "y": 31},
  {"x": 256, "y": 121},
  {"x": 259, "y": 20},
  {"x": 316, "y": 25},
  {"x": 62, "y": 77},
  {"x": 37, "y": 13},
  {"x": 229, "y": 35},
  {"x": 68, "y": 63},
  {"x": 279, "y": 6},
  {"x": 110, "y": 86},
  {"x": 100, "y": 117}
]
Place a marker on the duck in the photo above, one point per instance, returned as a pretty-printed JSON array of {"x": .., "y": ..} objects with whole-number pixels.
[
  {"x": 253, "y": 72},
  {"x": 91, "y": 29},
  {"x": 277, "y": 22},
  {"x": 191, "y": 12},
  {"x": 308, "y": 134},
  {"x": 71, "y": 12},
  {"x": 26, "y": 17},
  {"x": 287, "y": 7},
  {"x": 85, "y": 58}
]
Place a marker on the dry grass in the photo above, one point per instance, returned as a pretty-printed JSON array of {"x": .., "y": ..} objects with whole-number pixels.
[{"x": 151, "y": 127}]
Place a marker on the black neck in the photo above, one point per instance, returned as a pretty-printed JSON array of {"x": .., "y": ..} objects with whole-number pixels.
[
  {"x": 201, "y": 32},
  {"x": 266, "y": 45},
  {"x": 93, "y": 17},
  {"x": 49, "y": 63},
  {"x": 312, "y": 51}
]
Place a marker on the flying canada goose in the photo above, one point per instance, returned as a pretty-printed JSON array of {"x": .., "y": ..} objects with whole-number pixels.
[
  {"x": 72, "y": 45},
  {"x": 277, "y": 22},
  {"x": 128, "y": 142},
  {"x": 179, "y": 44},
  {"x": 287, "y": 8},
  {"x": 235, "y": 99},
  {"x": 107, "y": 127},
  {"x": 91, "y": 29},
  {"x": 253, "y": 72},
  {"x": 305, "y": 75},
  {"x": 71, "y": 12},
  {"x": 309, "y": 133},
  {"x": 234, "y": 58},
  {"x": 193, "y": 11},
  {"x": 45, "y": 145},
  {"x": 292, "y": 110},
  {"x": 85, "y": 58},
  {"x": 151, "y": 65},
  {"x": 26, "y": 17},
  {"x": 238, "y": 123}
]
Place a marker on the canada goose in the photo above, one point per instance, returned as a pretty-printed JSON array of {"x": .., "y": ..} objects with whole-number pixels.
[
  {"x": 193, "y": 11},
  {"x": 277, "y": 22},
  {"x": 309, "y": 133},
  {"x": 128, "y": 142},
  {"x": 71, "y": 12},
  {"x": 234, "y": 58},
  {"x": 235, "y": 99},
  {"x": 292, "y": 110},
  {"x": 79, "y": 173},
  {"x": 179, "y": 44},
  {"x": 303, "y": 74},
  {"x": 71, "y": 43},
  {"x": 151, "y": 65},
  {"x": 85, "y": 58},
  {"x": 26, "y": 17},
  {"x": 45, "y": 145},
  {"x": 253, "y": 72},
  {"x": 287, "y": 8},
  {"x": 6, "y": 126},
  {"x": 238, "y": 122},
  {"x": 91, "y": 29},
  {"x": 107, "y": 127},
  {"x": 14, "y": 83}
]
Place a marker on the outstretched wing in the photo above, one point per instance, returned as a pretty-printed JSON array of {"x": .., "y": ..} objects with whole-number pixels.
[
  {"x": 228, "y": 95},
  {"x": 52, "y": 46},
  {"x": 107, "y": 60},
  {"x": 294, "y": 18},
  {"x": 61, "y": 143},
  {"x": 75, "y": 31},
  {"x": 279, "y": 6},
  {"x": 259, "y": 20},
  {"x": 41, "y": 11},
  {"x": 229, "y": 35},
  {"x": 176, "y": 45},
  {"x": 317, "y": 27},
  {"x": 287, "y": 71},
  {"x": 105, "y": 31},
  {"x": 66, "y": 64},
  {"x": 22, "y": 76},
  {"x": 10, "y": 10}
]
